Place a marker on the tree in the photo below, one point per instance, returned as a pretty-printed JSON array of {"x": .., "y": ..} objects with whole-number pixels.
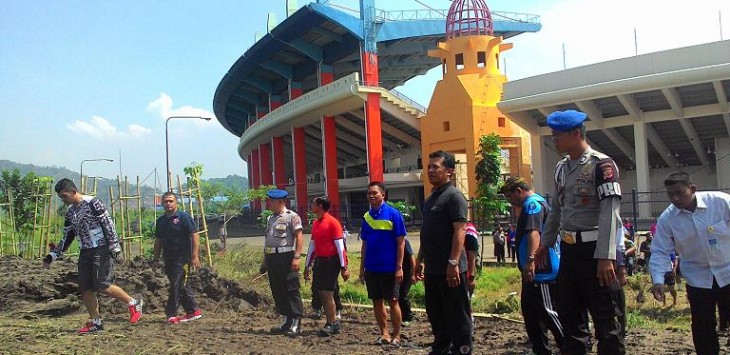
[
  {"x": 488, "y": 170},
  {"x": 22, "y": 191}
]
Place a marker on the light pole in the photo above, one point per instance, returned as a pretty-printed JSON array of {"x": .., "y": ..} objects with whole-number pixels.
[
  {"x": 167, "y": 146},
  {"x": 81, "y": 171}
]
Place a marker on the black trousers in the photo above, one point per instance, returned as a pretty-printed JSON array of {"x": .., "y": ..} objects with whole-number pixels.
[
  {"x": 448, "y": 310},
  {"x": 702, "y": 304},
  {"x": 538, "y": 302},
  {"x": 499, "y": 252},
  {"x": 284, "y": 284},
  {"x": 578, "y": 291},
  {"x": 403, "y": 300},
  {"x": 179, "y": 292}
]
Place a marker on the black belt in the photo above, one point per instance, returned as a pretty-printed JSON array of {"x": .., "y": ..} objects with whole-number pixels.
[{"x": 328, "y": 257}]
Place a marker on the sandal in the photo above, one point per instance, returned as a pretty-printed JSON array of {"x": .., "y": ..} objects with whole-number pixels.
[
  {"x": 395, "y": 343},
  {"x": 382, "y": 341}
]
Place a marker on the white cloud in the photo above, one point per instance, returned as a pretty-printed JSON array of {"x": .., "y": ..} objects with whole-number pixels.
[
  {"x": 100, "y": 127},
  {"x": 163, "y": 106}
]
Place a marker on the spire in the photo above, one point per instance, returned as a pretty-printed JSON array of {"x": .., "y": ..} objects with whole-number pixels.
[{"x": 468, "y": 18}]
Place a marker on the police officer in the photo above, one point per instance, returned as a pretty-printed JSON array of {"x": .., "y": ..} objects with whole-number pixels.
[
  {"x": 282, "y": 251},
  {"x": 585, "y": 214}
]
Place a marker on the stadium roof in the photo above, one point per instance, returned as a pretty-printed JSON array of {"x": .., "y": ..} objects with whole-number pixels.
[{"x": 319, "y": 33}]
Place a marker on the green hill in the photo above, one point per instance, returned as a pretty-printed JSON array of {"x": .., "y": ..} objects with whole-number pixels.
[{"x": 103, "y": 184}]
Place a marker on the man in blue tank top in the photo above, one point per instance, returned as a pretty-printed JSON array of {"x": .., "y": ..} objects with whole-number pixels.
[{"x": 538, "y": 275}]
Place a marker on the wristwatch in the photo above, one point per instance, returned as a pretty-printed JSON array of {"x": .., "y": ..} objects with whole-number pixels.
[
  {"x": 453, "y": 262},
  {"x": 530, "y": 258}
]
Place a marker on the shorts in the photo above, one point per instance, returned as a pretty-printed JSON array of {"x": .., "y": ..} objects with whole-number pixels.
[
  {"x": 669, "y": 278},
  {"x": 382, "y": 286},
  {"x": 96, "y": 269},
  {"x": 325, "y": 272}
]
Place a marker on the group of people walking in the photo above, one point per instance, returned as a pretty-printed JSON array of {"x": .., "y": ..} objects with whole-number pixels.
[{"x": 569, "y": 251}]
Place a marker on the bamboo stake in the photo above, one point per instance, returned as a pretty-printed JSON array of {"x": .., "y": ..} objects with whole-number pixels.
[
  {"x": 204, "y": 232},
  {"x": 139, "y": 216},
  {"x": 12, "y": 222}
]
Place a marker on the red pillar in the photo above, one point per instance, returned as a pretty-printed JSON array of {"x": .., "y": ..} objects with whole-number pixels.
[
  {"x": 278, "y": 150},
  {"x": 329, "y": 148},
  {"x": 266, "y": 176},
  {"x": 299, "y": 152},
  {"x": 256, "y": 178},
  {"x": 279, "y": 167},
  {"x": 373, "y": 130},
  {"x": 249, "y": 166},
  {"x": 300, "y": 170}
]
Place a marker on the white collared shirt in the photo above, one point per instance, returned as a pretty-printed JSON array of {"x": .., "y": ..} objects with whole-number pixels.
[{"x": 701, "y": 238}]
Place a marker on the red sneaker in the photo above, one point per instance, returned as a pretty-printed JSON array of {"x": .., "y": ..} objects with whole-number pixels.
[
  {"x": 192, "y": 316},
  {"x": 173, "y": 320},
  {"x": 91, "y": 328},
  {"x": 135, "y": 311}
]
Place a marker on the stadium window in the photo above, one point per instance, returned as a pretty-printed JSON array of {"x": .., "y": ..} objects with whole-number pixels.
[
  {"x": 447, "y": 126},
  {"x": 501, "y": 121},
  {"x": 446, "y": 70},
  {"x": 459, "y": 61},
  {"x": 496, "y": 57},
  {"x": 481, "y": 59}
]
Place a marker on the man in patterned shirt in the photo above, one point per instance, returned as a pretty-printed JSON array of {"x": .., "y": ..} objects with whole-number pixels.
[{"x": 88, "y": 220}]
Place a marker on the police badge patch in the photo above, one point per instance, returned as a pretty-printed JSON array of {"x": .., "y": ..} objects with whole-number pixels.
[{"x": 607, "y": 170}]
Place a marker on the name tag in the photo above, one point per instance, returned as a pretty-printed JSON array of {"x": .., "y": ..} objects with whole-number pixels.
[{"x": 96, "y": 235}]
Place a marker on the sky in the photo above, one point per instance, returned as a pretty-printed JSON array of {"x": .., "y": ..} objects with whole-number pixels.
[{"x": 97, "y": 80}]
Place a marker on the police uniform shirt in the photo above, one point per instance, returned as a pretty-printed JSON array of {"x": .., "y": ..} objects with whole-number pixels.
[
  {"x": 445, "y": 206},
  {"x": 174, "y": 232},
  {"x": 587, "y": 199},
  {"x": 281, "y": 229}
]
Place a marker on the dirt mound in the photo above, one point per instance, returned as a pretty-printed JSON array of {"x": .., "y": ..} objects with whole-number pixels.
[{"x": 30, "y": 290}]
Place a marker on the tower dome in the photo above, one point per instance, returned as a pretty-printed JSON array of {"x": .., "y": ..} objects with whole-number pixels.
[{"x": 468, "y": 18}]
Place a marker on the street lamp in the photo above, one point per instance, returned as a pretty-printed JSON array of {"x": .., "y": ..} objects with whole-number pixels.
[
  {"x": 81, "y": 170},
  {"x": 167, "y": 147}
]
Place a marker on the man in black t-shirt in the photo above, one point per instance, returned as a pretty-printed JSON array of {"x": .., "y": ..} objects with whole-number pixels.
[
  {"x": 176, "y": 236},
  {"x": 442, "y": 252}
]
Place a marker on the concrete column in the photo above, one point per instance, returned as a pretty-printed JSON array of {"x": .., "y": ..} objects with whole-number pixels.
[
  {"x": 540, "y": 183},
  {"x": 641, "y": 162},
  {"x": 722, "y": 158}
]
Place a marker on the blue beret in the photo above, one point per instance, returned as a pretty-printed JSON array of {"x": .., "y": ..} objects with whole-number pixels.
[
  {"x": 564, "y": 121},
  {"x": 277, "y": 194}
]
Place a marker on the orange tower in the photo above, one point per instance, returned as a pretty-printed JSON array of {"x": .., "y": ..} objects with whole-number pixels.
[{"x": 464, "y": 103}]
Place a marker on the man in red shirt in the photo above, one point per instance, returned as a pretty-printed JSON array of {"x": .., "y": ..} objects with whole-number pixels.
[{"x": 328, "y": 247}]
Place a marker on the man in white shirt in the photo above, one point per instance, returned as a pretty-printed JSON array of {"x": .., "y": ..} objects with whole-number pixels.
[{"x": 696, "y": 226}]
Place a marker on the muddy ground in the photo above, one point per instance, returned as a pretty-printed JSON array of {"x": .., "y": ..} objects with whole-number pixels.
[{"x": 40, "y": 311}]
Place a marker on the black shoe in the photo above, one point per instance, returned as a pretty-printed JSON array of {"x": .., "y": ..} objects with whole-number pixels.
[
  {"x": 294, "y": 329},
  {"x": 283, "y": 327},
  {"x": 330, "y": 329}
]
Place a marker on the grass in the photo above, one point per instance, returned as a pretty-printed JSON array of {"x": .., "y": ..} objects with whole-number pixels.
[
  {"x": 497, "y": 290},
  {"x": 493, "y": 284}
]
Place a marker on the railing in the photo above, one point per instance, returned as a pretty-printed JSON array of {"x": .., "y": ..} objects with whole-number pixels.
[
  {"x": 397, "y": 94},
  {"x": 436, "y": 14},
  {"x": 410, "y": 101}
]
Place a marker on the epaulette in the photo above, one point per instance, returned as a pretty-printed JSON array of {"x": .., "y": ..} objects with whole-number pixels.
[{"x": 599, "y": 155}]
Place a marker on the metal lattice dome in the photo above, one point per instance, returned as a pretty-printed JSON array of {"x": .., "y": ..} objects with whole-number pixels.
[{"x": 468, "y": 18}]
